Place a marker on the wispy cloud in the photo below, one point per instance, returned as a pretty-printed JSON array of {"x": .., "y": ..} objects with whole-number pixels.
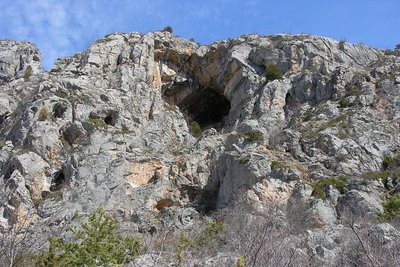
[
  {"x": 61, "y": 28},
  {"x": 57, "y": 27}
]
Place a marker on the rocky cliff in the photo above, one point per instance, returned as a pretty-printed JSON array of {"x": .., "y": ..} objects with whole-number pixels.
[{"x": 115, "y": 127}]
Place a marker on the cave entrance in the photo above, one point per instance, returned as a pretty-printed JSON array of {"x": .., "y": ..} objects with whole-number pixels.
[
  {"x": 59, "y": 181},
  {"x": 207, "y": 107}
]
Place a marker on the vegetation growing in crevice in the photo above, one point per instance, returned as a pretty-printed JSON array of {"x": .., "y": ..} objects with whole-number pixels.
[
  {"x": 355, "y": 91},
  {"x": 387, "y": 160},
  {"x": 244, "y": 159},
  {"x": 391, "y": 207},
  {"x": 381, "y": 176},
  {"x": 27, "y": 73},
  {"x": 251, "y": 136},
  {"x": 273, "y": 72},
  {"x": 278, "y": 165},
  {"x": 321, "y": 186},
  {"x": 195, "y": 129},
  {"x": 254, "y": 136},
  {"x": 306, "y": 117},
  {"x": 97, "y": 123},
  {"x": 391, "y": 162},
  {"x": 391, "y": 78},
  {"x": 337, "y": 121},
  {"x": 240, "y": 262},
  {"x": 341, "y": 122},
  {"x": 43, "y": 114}
]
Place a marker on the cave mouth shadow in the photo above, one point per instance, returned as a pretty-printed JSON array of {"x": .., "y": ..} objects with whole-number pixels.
[
  {"x": 207, "y": 107},
  {"x": 59, "y": 181}
]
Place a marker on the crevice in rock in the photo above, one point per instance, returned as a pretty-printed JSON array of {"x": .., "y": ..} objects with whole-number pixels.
[
  {"x": 104, "y": 98},
  {"x": 9, "y": 172},
  {"x": 289, "y": 105},
  {"x": 209, "y": 198},
  {"x": 71, "y": 133},
  {"x": 192, "y": 192},
  {"x": 111, "y": 118},
  {"x": 59, "y": 110},
  {"x": 11, "y": 166},
  {"x": 3, "y": 117},
  {"x": 59, "y": 181}
]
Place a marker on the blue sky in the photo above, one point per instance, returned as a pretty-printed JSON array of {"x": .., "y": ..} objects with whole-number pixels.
[{"x": 63, "y": 27}]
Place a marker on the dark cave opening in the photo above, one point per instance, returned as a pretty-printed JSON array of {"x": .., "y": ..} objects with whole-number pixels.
[
  {"x": 59, "y": 110},
  {"x": 207, "y": 107},
  {"x": 108, "y": 120},
  {"x": 59, "y": 181},
  {"x": 111, "y": 118}
]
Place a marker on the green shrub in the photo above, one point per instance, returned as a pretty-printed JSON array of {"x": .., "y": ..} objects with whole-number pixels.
[
  {"x": 307, "y": 117},
  {"x": 337, "y": 121},
  {"x": 167, "y": 29},
  {"x": 387, "y": 160},
  {"x": 43, "y": 114},
  {"x": 96, "y": 245},
  {"x": 320, "y": 186},
  {"x": 204, "y": 239},
  {"x": 97, "y": 123},
  {"x": 240, "y": 262},
  {"x": 254, "y": 136},
  {"x": 381, "y": 175},
  {"x": 391, "y": 207},
  {"x": 278, "y": 165},
  {"x": 343, "y": 102},
  {"x": 386, "y": 78},
  {"x": 195, "y": 129},
  {"x": 341, "y": 157},
  {"x": 355, "y": 91},
  {"x": 243, "y": 160},
  {"x": 206, "y": 236},
  {"x": 2, "y": 144},
  {"x": 27, "y": 73},
  {"x": 273, "y": 72}
]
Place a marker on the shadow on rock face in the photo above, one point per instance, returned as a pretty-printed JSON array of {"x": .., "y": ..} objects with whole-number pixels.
[{"x": 207, "y": 107}]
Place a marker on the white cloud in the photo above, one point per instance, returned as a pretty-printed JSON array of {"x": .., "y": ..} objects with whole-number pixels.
[{"x": 56, "y": 27}]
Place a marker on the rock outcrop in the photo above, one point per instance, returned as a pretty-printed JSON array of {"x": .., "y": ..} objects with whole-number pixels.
[{"x": 112, "y": 127}]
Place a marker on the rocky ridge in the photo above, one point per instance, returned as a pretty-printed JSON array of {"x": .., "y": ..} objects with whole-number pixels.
[{"x": 112, "y": 127}]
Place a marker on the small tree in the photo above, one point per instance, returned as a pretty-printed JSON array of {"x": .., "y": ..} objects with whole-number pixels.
[
  {"x": 240, "y": 262},
  {"x": 195, "y": 129},
  {"x": 97, "y": 244},
  {"x": 254, "y": 136},
  {"x": 391, "y": 207},
  {"x": 43, "y": 114},
  {"x": 168, "y": 29},
  {"x": 273, "y": 72},
  {"x": 27, "y": 73}
]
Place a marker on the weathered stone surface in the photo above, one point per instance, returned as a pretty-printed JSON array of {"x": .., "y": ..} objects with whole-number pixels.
[
  {"x": 16, "y": 58},
  {"x": 112, "y": 127},
  {"x": 358, "y": 204}
]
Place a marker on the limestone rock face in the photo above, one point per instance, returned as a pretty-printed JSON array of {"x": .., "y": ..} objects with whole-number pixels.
[
  {"x": 18, "y": 60},
  {"x": 113, "y": 127}
]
